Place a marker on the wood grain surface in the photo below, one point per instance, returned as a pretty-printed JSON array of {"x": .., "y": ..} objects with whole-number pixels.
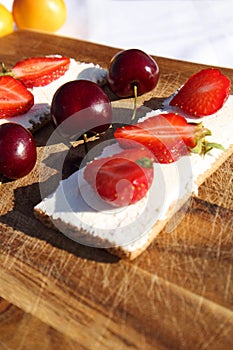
[
  {"x": 21, "y": 330},
  {"x": 177, "y": 295}
]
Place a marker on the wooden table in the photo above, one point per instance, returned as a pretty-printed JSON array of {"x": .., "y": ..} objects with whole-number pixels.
[{"x": 57, "y": 294}]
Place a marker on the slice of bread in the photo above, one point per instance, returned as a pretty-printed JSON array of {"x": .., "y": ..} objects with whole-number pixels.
[
  {"x": 39, "y": 114},
  {"x": 76, "y": 211}
]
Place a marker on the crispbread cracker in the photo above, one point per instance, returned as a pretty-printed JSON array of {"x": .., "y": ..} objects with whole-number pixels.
[{"x": 54, "y": 212}]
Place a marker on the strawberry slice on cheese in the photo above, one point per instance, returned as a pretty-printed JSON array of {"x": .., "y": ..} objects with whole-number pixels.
[
  {"x": 40, "y": 71},
  {"x": 204, "y": 93},
  {"x": 15, "y": 99}
]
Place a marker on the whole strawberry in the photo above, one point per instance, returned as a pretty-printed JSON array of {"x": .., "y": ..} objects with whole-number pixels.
[{"x": 123, "y": 178}]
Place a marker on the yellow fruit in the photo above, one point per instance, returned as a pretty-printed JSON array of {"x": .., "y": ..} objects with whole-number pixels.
[
  {"x": 6, "y": 21},
  {"x": 41, "y": 15}
]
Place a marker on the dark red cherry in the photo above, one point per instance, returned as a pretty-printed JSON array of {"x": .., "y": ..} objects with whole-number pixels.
[
  {"x": 17, "y": 151},
  {"x": 131, "y": 68},
  {"x": 80, "y": 106}
]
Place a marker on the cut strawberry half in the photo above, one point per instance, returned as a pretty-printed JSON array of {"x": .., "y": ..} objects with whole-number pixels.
[
  {"x": 203, "y": 94},
  {"x": 15, "y": 99},
  {"x": 122, "y": 179},
  {"x": 168, "y": 136},
  {"x": 40, "y": 71}
]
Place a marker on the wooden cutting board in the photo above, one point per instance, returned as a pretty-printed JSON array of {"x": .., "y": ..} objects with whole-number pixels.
[{"x": 176, "y": 295}]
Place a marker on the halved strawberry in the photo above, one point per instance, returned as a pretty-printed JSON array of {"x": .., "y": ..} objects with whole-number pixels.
[
  {"x": 204, "y": 93},
  {"x": 40, "y": 71},
  {"x": 168, "y": 136},
  {"x": 15, "y": 99},
  {"x": 122, "y": 179}
]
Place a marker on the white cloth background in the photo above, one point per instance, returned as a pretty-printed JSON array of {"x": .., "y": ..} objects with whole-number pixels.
[{"x": 194, "y": 30}]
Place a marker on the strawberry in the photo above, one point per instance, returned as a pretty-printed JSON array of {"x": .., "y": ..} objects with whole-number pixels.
[
  {"x": 15, "y": 99},
  {"x": 123, "y": 178},
  {"x": 40, "y": 71},
  {"x": 203, "y": 94},
  {"x": 168, "y": 136}
]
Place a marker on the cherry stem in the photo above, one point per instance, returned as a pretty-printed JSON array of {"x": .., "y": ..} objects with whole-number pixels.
[
  {"x": 85, "y": 142},
  {"x": 135, "y": 90}
]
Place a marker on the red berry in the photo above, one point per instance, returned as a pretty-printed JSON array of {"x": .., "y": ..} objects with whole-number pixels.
[
  {"x": 15, "y": 99},
  {"x": 17, "y": 151},
  {"x": 40, "y": 71},
  {"x": 83, "y": 105},
  {"x": 204, "y": 93},
  {"x": 122, "y": 179},
  {"x": 168, "y": 136},
  {"x": 131, "y": 68}
]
